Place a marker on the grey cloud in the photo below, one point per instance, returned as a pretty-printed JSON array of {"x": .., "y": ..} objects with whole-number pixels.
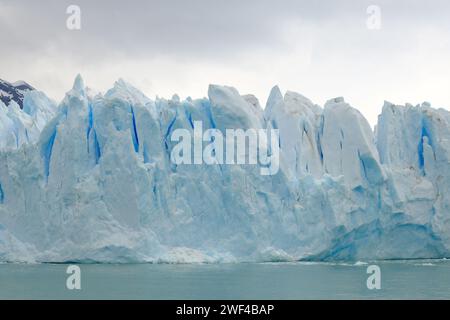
[
  {"x": 320, "y": 48},
  {"x": 192, "y": 29}
]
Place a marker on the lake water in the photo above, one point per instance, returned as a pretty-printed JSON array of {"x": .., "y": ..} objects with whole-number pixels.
[{"x": 428, "y": 279}]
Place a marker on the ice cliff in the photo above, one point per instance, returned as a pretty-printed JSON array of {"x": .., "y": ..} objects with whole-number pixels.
[{"x": 94, "y": 183}]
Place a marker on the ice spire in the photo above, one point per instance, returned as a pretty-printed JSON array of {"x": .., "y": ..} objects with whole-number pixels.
[{"x": 78, "y": 84}]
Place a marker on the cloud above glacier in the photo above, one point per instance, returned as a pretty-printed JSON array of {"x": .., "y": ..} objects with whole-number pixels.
[{"x": 319, "y": 49}]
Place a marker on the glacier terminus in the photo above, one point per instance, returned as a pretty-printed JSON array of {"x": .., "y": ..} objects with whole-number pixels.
[{"x": 91, "y": 180}]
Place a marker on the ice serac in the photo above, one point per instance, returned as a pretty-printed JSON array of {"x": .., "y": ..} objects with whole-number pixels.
[
  {"x": 97, "y": 183},
  {"x": 24, "y": 112},
  {"x": 348, "y": 145},
  {"x": 298, "y": 122},
  {"x": 232, "y": 110}
]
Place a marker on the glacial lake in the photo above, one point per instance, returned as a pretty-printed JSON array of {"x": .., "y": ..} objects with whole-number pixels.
[{"x": 427, "y": 279}]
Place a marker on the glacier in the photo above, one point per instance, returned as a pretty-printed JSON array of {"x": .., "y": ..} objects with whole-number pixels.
[{"x": 91, "y": 180}]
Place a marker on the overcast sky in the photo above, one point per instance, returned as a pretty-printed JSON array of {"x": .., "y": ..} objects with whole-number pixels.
[{"x": 321, "y": 49}]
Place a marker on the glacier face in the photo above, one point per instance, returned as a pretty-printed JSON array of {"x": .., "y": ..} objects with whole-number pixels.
[{"x": 97, "y": 184}]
